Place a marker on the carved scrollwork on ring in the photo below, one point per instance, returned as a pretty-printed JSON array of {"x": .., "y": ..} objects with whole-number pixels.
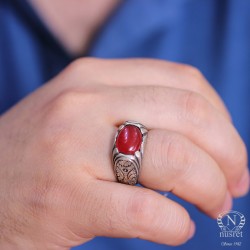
[{"x": 126, "y": 171}]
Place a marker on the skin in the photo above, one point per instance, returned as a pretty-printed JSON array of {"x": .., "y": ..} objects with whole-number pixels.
[
  {"x": 74, "y": 22},
  {"x": 58, "y": 189}
]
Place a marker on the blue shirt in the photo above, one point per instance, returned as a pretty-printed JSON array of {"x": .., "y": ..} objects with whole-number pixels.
[{"x": 211, "y": 35}]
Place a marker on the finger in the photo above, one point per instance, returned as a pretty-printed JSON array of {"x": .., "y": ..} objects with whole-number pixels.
[
  {"x": 171, "y": 162},
  {"x": 186, "y": 113},
  {"x": 118, "y": 210},
  {"x": 148, "y": 72}
]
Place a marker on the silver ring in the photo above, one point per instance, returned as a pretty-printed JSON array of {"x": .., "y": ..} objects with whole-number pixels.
[{"x": 128, "y": 151}]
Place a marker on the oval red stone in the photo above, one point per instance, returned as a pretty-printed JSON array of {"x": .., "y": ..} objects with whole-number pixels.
[{"x": 129, "y": 140}]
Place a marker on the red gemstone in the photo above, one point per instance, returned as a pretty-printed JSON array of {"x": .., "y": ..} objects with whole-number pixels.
[{"x": 129, "y": 140}]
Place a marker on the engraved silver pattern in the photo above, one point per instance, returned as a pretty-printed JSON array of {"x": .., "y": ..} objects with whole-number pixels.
[{"x": 127, "y": 167}]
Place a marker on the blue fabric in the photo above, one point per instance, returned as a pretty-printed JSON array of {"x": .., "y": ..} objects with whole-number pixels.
[{"x": 212, "y": 35}]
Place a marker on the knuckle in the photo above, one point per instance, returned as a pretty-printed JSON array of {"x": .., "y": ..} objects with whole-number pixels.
[
  {"x": 83, "y": 65},
  {"x": 148, "y": 218},
  {"x": 195, "y": 109},
  {"x": 191, "y": 71},
  {"x": 57, "y": 122},
  {"x": 64, "y": 103},
  {"x": 60, "y": 117},
  {"x": 140, "y": 211},
  {"x": 194, "y": 77},
  {"x": 177, "y": 156},
  {"x": 174, "y": 153}
]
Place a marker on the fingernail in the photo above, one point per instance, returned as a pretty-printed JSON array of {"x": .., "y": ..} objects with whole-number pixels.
[
  {"x": 243, "y": 185},
  {"x": 191, "y": 230},
  {"x": 227, "y": 203}
]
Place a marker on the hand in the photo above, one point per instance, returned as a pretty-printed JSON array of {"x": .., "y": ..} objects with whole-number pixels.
[{"x": 58, "y": 188}]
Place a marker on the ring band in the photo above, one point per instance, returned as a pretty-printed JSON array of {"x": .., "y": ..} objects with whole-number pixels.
[{"x": 128, "y": 151}]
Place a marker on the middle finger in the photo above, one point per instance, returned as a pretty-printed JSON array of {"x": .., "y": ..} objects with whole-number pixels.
[{"x": 173, "y": 163}]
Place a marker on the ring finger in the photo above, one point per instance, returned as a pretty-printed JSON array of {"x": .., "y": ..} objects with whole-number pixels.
[{"x": 173, "y": 163}]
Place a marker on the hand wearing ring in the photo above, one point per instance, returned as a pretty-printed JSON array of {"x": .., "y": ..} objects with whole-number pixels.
[{"x": 60, "y": 185}]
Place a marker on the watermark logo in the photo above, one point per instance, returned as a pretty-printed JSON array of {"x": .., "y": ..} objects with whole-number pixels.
[{"x": 231, "y": 224}]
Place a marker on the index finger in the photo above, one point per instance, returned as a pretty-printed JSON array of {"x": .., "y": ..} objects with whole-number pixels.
[{"x": 150, "y": 72}]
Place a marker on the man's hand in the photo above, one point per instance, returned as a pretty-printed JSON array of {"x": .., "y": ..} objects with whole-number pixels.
[{"x": 57, "y": 187}]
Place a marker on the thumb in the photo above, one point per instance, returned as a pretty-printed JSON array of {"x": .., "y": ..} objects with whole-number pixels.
[{"x": 118, "y": 210}]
